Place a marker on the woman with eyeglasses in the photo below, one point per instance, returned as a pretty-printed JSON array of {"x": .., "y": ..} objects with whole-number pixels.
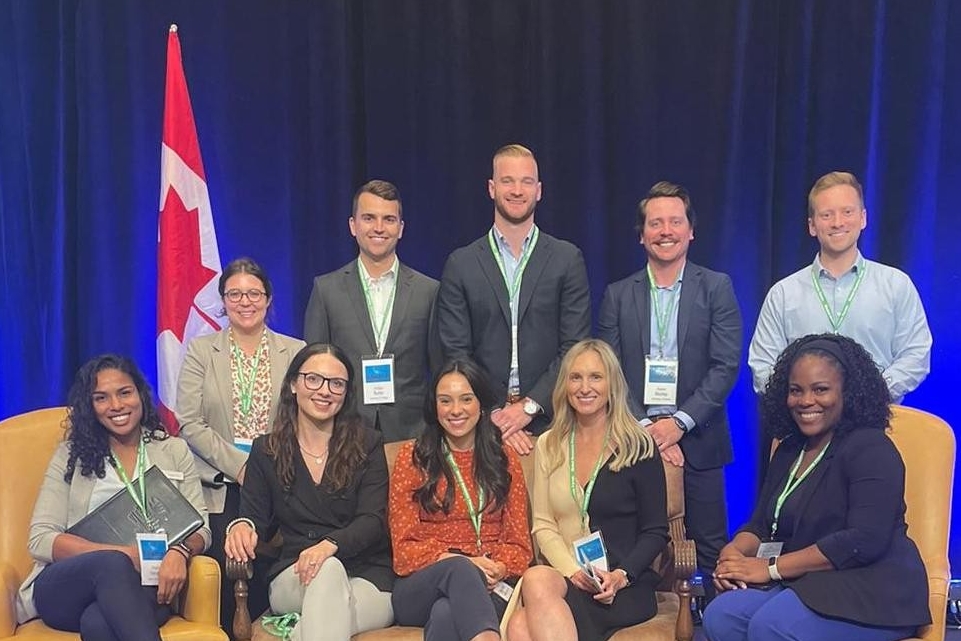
[
  {"x": 227, "y": 396},
  {"x": 320, "y": 477}
]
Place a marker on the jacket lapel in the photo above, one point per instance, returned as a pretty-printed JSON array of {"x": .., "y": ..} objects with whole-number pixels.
[
  {"x": 221, "y": 372},
  {"x": 351, "y": 283},
  {"x": 690, "y": 287},
  {"x": 494, "y": 277},
  {"x": 539, "y": 259},
  {"x": 401, "y": 302},
  {"x": 642, "y": 305}
]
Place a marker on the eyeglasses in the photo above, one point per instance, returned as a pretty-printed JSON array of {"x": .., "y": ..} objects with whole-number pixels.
[
  {"x": 236, "y": 295},
  {"x": 314, "y": 382}
]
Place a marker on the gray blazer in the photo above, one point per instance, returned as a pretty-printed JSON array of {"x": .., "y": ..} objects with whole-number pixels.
[
  {"x": 60, "y": 505},
  {"x": 205, "y": 412},
  {"x": 474, "y": 317},
  {"x": 337, "y": 313}
]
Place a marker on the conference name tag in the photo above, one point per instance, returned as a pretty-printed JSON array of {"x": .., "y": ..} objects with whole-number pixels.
[
  {"x": 767, "y": 549},
  {"x": 660, "y": 381},
  {"x": 378, "y": 375},
  {"x": 152, "y": 547}
]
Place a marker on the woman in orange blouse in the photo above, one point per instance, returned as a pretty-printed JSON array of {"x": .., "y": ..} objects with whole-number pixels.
[{"x": 458, "y": 514}]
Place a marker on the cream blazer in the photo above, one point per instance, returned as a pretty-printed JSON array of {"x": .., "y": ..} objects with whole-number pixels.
[{"x": 205, "y": 412}]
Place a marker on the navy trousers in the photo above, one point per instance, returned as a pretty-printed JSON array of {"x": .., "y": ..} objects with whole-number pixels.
[{"x": 99, "y": 595}]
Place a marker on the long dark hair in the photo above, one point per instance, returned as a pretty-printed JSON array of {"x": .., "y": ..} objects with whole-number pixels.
[
  {"x": 490, "y": 461},
  {"x": 346, "y": 448},
  {"x": 89, "y": 441},
  {"x": 864, "y": 394}
]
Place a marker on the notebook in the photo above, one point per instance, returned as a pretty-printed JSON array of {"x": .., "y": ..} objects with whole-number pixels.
[{"x": 118, "y": 519}]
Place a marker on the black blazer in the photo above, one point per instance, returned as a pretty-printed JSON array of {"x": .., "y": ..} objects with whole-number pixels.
[
  {"x": 305, "y": 514},
  {"x": 337, "y": 313},
  {"x": 852, "y": 508},
  {"x": 554, "y": 313},
  {"x": 709, "y": 336}
]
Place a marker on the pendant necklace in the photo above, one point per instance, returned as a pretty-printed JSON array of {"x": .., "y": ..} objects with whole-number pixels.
[{"x": 318, "y": 459}]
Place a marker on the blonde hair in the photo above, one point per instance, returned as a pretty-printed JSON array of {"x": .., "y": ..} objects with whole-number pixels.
[
  {"x": 834, "y": 179},
  {"x": 513, "y": 150},
  {"x": 630, "y": 442}
]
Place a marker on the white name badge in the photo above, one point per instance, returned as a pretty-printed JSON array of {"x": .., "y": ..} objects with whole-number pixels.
[
  {"x": 503, "y": 590},
  {"x": 152, "y": 546},
  {"x": 660, "y": 381},
  {"x": 590, "y": 553},
  {"x": 377, "y": 373},
  {"x": 769, "y": 548}
]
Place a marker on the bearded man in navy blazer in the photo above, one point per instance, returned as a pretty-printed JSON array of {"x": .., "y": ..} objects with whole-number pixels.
[
  {"x": 515, "y": 301},
  {"x": 378, "y": 309},
  {"x": 675, "y": 316}
]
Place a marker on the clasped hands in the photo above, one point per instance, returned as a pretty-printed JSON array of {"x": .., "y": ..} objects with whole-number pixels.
[
  {"x": 666, "y": 434},
  {"x": 736, "y": 571},
  {"x": 611, "y": 583},
  {"x": 512, "y": 421},
  {"x": 172, "y": 576}
]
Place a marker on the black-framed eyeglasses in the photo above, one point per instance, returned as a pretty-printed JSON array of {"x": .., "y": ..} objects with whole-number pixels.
[
  {"x": 314, "y": 382},
  {"x": 237, "y": 295}
]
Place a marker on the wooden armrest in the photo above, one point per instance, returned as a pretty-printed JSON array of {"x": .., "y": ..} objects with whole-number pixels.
[
  {"x": 8, "y": 597},
  {"x": 685, "y": 563},
  {"x": 240, "y": 573}
]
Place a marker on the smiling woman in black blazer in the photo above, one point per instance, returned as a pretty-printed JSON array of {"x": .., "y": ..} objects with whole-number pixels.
[{"x": 826, "y": 554}]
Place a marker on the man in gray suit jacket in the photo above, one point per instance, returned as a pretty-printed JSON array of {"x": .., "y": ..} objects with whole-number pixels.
[
  {"x": 515, "y": 287},
  {"x": 675, "y": 316},
  {"x": 380, "y": 312}
]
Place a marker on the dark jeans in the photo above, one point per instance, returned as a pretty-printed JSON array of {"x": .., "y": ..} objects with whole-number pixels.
[
  {"x": 448, "y": 598},
  {"x": 99, "y": 595},
  {"x": 705, "y": 519}
]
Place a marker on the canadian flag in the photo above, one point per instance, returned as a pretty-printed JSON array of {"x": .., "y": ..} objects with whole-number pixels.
[{"x": 188, "y": 262}]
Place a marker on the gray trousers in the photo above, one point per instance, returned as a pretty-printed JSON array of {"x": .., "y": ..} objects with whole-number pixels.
[{"x": 332, "y": 607}]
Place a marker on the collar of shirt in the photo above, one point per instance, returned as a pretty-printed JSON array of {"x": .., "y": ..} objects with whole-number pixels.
[
  {"x": 858, "y": 264},
  {"x": 677, "y": 283},
  {"x": 384, "y": 278},
  {"x": 505, "y": 249}
]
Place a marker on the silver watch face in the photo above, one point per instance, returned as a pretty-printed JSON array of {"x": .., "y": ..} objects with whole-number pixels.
[{"x": 530, "y": 407}]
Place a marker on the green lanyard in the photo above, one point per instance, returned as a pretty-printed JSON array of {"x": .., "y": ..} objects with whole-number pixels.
[
  {"x": 513, "y": 286},
  {"x": 582, "y": 506},
  {"x": 836, "y": 321},
  {"x": 792, "y": 483},
  {"x": 141, "y": 499},
  {"x": 661, "y": 319},
  {"x": 246, "y": 381},
  {"x": 476, "y": 514},
  {"x": 381, "y": 327}
]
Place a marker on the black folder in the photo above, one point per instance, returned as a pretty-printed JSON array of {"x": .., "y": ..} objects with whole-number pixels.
[{"x": 118, "y": 520}]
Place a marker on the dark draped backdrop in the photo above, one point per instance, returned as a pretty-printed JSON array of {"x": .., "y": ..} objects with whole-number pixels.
[{"x": 297, "y": 103}]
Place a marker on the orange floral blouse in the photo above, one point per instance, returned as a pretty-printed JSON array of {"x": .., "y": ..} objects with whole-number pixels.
[{"x": 419, "y": 538}]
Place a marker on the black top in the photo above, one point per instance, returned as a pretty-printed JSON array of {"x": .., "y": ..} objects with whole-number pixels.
[
  {"x": 305, "y": 513},
  {"x": 852, "y": 507}
]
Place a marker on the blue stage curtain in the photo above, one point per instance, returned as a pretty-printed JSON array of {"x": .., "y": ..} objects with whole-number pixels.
[{"x": 744, "y": 102}]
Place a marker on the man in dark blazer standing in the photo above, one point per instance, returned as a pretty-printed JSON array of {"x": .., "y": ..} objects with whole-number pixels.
[
  {"x": 515, "y": 300},
  {"x": 676, "y": 328},
  {"x": 380, "y": 312}
]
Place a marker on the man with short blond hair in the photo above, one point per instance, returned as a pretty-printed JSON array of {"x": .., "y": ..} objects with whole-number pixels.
[
  {"x": 515, "y": 300},
  {"x": 843, "y": 292}
]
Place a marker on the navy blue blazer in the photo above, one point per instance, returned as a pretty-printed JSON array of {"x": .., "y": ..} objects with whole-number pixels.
[
  {"x": 474, "y": 315},
  {"x": 851, "y": 507},
  {"x": 709, "y": 335}
]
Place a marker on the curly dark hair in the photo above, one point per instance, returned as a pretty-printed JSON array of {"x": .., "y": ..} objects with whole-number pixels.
[
  {"x": 346, "y": 447},
  {"x": 88, "y": 439},
  {"x": 490, "y": 461},
  {"x": 865, "y": 395}
]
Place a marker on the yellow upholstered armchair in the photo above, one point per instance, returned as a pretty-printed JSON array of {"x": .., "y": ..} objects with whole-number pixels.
[
  {"x": 27, "y": 443},
  {"x": 926, "y": 444}
]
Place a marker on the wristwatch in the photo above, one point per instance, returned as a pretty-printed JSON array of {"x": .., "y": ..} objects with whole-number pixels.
[
  {"x": 680, "y": 424},
  {"x": 772, "y": 569},
  {"x": 531, "y": 408}
]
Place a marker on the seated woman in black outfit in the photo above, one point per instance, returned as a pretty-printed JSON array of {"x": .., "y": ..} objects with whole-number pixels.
[{"x": 826, "y": 555}]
